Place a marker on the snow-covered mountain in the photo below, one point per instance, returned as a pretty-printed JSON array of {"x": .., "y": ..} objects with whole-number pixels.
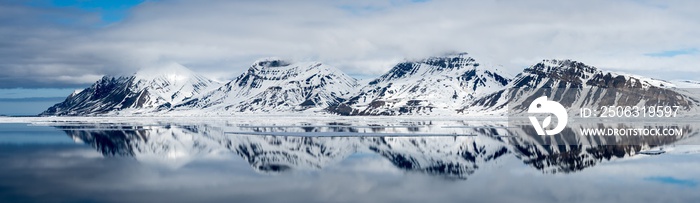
[
  {"x": 576, "y": 85},
  {"x": 453, "y": 84},
  {"x": 146, "y": 91},
  {"x": 275, "y": 85},
  {"x": 436, "y": 85}
]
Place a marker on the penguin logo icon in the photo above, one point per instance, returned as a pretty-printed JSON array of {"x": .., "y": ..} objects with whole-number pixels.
[{"x": 543, "y": 106}]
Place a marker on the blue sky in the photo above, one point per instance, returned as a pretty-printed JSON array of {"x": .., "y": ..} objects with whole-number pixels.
[
  {"x": 110, "y": 11},
  {"x": 673, "y": 53},
  {"x": 365, "y": 9}
]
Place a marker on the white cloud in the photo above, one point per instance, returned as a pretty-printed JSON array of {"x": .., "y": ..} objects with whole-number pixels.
[{"x": 365, "y": 37}]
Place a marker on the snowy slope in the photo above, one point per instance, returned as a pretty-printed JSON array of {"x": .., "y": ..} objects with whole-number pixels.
[
  {"x": 274, "y": 85},
  {"x": 436, "y": 85},
  {"x": 686, "y": 83},
  {"x": 144, "y": 92}
]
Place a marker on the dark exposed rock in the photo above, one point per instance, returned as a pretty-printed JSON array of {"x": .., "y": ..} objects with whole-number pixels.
[{"x": 574, "y": 83}]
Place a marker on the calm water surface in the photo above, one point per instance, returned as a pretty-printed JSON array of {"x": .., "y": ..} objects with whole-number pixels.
[{"x": 418, "y": 161}]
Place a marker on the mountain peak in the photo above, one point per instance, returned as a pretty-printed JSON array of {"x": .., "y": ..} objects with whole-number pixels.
[
  {"x": 566, "y": 65},
  {"x": 431, "y": 65},
  {"x": 434, "y": 85},
  {"x": 275, "y": 85}
]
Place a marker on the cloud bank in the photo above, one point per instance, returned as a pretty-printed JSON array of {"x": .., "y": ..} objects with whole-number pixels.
[{"x": 68, "y": 47}]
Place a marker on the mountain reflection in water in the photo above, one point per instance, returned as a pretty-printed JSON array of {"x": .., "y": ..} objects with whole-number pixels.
[
  {"x": 412, "y": 148},
  {"x": 360, "y": 160}
]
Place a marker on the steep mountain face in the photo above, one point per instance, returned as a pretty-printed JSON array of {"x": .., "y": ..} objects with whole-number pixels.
[
  {"x": 146, "y": 91},
  {"x": 576, "y": 85},
  {"x": 274, "y": 85},
  {"x": 437, "y": 85}
]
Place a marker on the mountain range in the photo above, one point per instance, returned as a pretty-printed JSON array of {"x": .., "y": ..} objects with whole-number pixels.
[{"x": 451, "y": 84}]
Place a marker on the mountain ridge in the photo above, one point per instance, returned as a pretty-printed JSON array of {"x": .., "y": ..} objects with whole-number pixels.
[{"x": 451, "y": 84}]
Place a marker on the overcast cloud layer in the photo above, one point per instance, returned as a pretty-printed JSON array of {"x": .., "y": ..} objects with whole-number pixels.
[{"x": 69, "y": 47}]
